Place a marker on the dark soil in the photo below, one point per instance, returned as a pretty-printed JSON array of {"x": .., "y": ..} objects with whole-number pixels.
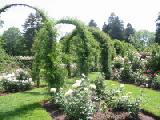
[{"x": 57, "y": 114}]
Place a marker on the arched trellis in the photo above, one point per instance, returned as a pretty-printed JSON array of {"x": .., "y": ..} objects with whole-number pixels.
[
  {"x": 104, "y": 42},
  {"x": 83, "y": 32},
  {"x": 44, "y": 17},
  {"x": 48, "y": 64},
  {"x": 105, "y": 46}
]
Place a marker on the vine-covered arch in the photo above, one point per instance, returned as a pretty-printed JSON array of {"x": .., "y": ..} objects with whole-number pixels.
[
  {"x": 48, "y": 45},
  {"x": 105, "y": 46},
  {"x": 102, "y": 39},
  {"x": 44, "y": 17},
  {"x": 84, "y": 34}
]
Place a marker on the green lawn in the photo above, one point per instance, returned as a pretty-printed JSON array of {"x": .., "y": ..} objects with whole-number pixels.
[{"x": 24, "y": 106}]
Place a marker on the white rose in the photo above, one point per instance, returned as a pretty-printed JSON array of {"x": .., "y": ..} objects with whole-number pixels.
[
  {"x": 75, "y": 85},
  {"x": 92, "y": 86},
  {"x": 83, "y": 75},
  {"x": 69, "y": 92},
  {"x": 121, "y": 85},
  {"x": 125, "y": 97},
  {"x": 30, "y": 79},
  {"x": 86, "y": 89},
  {"x": 53, "y": 90},
  {"x": 78, "y": 81}
]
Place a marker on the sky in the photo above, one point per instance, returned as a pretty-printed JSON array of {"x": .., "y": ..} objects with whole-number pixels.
[{"x": 142, "y": 14}]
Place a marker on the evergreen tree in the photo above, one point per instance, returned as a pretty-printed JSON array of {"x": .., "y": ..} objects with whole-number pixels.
[
  {"x": 92, "y": 23},
  {"x": 32, "y": 24},
  {"x": 128, "y": 32},
  {"x": 157, "y": 39},
  {"x": 115, "y": 27}
]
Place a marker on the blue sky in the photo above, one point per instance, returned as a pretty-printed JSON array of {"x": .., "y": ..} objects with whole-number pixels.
[{"x": 141, "y": 14}]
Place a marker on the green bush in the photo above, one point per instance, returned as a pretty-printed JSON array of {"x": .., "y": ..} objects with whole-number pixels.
[
  {"x": 118, "y": 62},
  {"x": 156, "y": 82},
  {"x": 126, "y": 74},
  {"x": 154, "y": 62},
  {"x": 120, "y": 101},
  {"x": 77, "y": 102},
  {"x": 18, "y": 81},
  {"x": 100, "y": 87},
  {"x": 140, "y": 78}
]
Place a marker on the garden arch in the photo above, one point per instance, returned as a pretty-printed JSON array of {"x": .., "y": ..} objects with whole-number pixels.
[
  {"x": 99, "y": 36},
  {"x": 106, "y": 53},
  {"x": 83, "y": 32},
  {"x": 46, "y": 54}
]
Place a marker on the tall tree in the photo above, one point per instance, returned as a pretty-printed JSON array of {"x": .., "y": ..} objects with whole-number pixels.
[
  {"x": 128, "y": 32},
  {"x": 13, "y": 41},
  {"x": 115, "y": 27},
  {"x": 31, "y": 25},
  {"x": 141, "y": 39},
  {"x": 157, "y": 39},
  {"x": 92, "y": 23}
]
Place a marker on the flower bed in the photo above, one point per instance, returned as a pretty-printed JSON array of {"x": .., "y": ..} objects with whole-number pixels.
[{"x": 16, "y": 81}]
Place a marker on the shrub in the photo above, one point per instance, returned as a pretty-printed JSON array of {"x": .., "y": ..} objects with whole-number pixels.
[
  {"x": 126, "y": 73},
  {"x": 140, "y": 78},
  {"x": 154, "y": 62},
  {"x": 77, "y": 102},
  {"x": 18, "y": 81},
  {"x": 118, "y": 100},
  {"x": 118, "y": 62},
  {"x": 156, "y": 82},
  {"x": 100, "y": 87}
]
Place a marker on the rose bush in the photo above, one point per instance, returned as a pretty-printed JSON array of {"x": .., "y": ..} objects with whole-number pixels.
[{"x": 17, "y": 81}]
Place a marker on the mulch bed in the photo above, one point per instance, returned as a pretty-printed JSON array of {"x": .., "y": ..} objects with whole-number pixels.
[{"x": 57, "y": 114}]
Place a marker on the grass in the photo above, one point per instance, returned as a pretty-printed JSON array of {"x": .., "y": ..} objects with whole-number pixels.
[
  {"x": 151, "y": 99},
  {"x": 24, "y": 106}
]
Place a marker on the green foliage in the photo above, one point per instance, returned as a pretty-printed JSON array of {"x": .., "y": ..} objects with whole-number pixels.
[
  {"x": 32, "y": 24},
  {"x": 128, "y": 32},
  {"x": 118, "y": 99},
  {"x": 118, "y": 62},
  {"x": 123, "y": 48},
  {"x": 105, "y": 45},
  {"x": 77, "y": 102},
  {"x": 6, "y": 62},
  {"x": 156, "y": 82},
  {"x": 140, "y": 78},
  {"x": 85, "y": 36},
  {"x": 157, "y": 38},
  {"x": 18, "y": 81},
  {"x": 100, "y": 87},
  {"x": 141, "y": 39},
  {"x": 126, "y": 73},
  {"x": 13, "y": 42},
  {"x": 154, "y": 62},
  {"x": 115, "y": 27},
  {"x": 92, "y": 23}
]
